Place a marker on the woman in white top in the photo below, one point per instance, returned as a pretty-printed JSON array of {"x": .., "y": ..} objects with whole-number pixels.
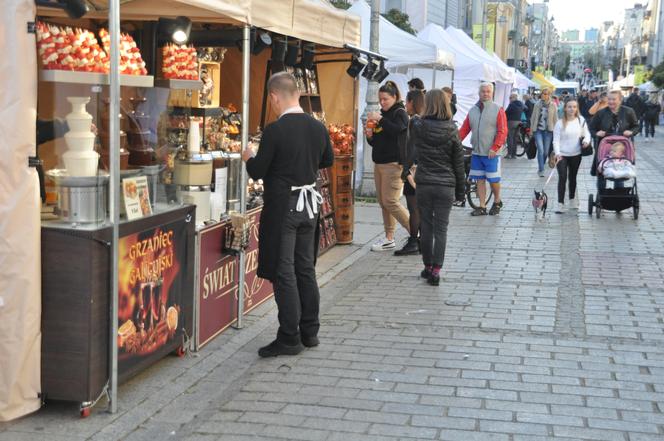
[{"x": 570, "y": 135}]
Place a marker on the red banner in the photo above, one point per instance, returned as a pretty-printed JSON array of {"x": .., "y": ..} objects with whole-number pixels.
[{"x": 256, "y": 290}]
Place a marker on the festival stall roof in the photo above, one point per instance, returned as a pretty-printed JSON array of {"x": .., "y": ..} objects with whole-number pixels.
[
  {"x": 522, "y": 82},
  {"x": 542, "y": 81},
  {"x": 504, "y": 73},
  {"x": 402, "y": 49},
  {"x": 648, "y": 87},
  {"x": 316, "y": 21},
  {"x": 563, "y": 84}
]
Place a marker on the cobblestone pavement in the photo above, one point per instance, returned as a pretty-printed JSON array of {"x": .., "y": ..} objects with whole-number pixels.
[{"x": 539, "y": 331}]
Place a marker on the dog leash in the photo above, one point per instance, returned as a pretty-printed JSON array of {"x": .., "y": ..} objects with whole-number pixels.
[{"x": 550, "y": 176}]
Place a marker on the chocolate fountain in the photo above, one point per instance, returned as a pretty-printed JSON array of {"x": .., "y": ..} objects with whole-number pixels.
[
  {"x": 105, "y": 140},
  {"x": 141, "y": 153}
]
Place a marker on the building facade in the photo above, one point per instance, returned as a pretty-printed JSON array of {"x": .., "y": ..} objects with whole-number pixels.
[
  {"x": 422, "y": 12},
  {"x": 570, "y": 35}
]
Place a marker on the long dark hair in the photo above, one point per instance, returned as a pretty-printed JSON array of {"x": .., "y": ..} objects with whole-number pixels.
[
  {"x": 417, "y": 98},
  {"x": 391, "y": 89}
]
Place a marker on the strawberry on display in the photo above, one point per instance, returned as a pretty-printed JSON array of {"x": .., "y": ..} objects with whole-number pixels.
[{"x": 179, "y": 62}]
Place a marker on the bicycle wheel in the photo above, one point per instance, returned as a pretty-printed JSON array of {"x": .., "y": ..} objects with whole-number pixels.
[
  {"x": 521, "y": 144},
  {"x": 473, "y": 198}
]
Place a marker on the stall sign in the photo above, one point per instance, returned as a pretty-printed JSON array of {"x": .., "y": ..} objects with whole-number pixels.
[
  {"x": 256, "y": 290},
  {"x": 151, "y": 294},
  {"x": 218, "y": 284},
  {"x": 136, "y": 195}
]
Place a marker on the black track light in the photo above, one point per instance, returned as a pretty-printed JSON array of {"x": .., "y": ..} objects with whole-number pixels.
[
  {"x": 356, "y": 66},
  {"x": 381, "y": 73},
  {"x": 263, "y": 41},
  {"x": 371, "y": 69},
  {"x": 308, "y": 55},
  {"x": 175, "y": 29},
  {"x": 292, "y": 54}
]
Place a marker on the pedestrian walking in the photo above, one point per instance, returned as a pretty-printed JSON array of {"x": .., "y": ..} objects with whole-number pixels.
[
  {"x": 414, "y": 107},
  {"x": 451, "y": 96},
  {"x": 601, "y": 104},
  {"x": 542, "y": 123},
  {"x": 588, "y": 104},
  {"x": 416, "y": 84},
  {"x": 529, "y": 106},
  {"x": 615, "y": 119},
  {"x": 292, "y": 150},
  {"x": 514, "y": 112},
  {"x": 487, "y": 122},
  {"x": 440, "y": 177},
  {"x": 570, "y": 136},
  {"x": 638, "y": 105},
  {"x": 386, "y": 133},
  {"x": 651, "y": 116}
]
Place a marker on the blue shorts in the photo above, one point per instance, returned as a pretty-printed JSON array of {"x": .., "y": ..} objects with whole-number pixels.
[{"x": 483, "y": 167}]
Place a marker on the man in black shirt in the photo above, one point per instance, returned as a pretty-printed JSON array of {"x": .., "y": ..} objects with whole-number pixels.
[{"x": 291, "y": 152}]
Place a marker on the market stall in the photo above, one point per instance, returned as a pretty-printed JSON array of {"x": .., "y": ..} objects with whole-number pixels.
[{"x": 139, "y": 145}]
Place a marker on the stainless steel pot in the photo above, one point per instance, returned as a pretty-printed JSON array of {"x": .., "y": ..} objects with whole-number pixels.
[{"x": 81, "y": 199}]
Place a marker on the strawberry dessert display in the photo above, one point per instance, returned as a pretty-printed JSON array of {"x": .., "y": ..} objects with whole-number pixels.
[
  {"x": 342, "y": 138},
  {"x": 70, "y": 49},
  {"x": 180, "y": 62},
  {"x": 131, "y": 61}
]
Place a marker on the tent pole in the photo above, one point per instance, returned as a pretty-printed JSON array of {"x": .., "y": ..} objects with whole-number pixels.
[
  {"x": 113, "y": 191},
  {"x": 435, "y": 71},
  {"x": 246, "y": 61}
]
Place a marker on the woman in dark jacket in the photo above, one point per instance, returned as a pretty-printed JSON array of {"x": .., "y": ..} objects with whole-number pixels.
[
  {"x": 440, "y": 178},
  {"x": 386, "y": 133},
  {"x": 651, "y": 116},
  {"x": 414, "y": 107},
  {"x": 615, "y": 119}
]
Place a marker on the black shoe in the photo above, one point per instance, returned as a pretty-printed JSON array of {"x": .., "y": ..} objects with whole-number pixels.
[
  {"x": 495, "y": 208},
  {"x": 434, "y": 279},
  {"x": 310, "y": 342},
  {"x": 411, "y": 248},
  {"x": 425, "y": 274},
  {"x": 277, "y": 348},
  {"x": 479, "y": 211}
]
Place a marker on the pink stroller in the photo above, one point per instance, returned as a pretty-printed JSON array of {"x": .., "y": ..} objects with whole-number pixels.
[{"x": 614, "y": 194}]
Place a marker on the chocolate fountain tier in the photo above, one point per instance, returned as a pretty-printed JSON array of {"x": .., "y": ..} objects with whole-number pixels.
[
  {"x": 138, "y": 122},
  {"x": 139, "y": 140},
  {"x": 142, "y": 157}
]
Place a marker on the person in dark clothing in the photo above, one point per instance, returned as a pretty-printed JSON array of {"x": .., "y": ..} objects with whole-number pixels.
[
  {"x": 615, "y": 119},
  {"x": 440, "y": 177},
  {"x": 588, "y": 104},
  {"x": 582, "y": 99},
  {"x": 636, "y": 103},
  {"x": 416, "y": 84},
  {"x": 386, "y": 132},
  {"x": 651, "y": 116},
  {"x": 451, "y": 96},
  {"x": 292, "y": 150},
  {"x": 529, "y": 104},
  {"x": 513, "y": 112},
  {"x": 414, "y": 107}
]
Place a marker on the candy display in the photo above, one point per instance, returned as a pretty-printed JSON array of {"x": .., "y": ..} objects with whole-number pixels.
[
  {"x": 70, "y": 49},
  {"x": 131, "y": 61},
  {"x": 342, "y": 138},
  {"x": 179, "y": 62}
]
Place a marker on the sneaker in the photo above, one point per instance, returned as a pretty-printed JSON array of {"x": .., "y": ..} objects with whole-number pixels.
[
  {"x": 479, "y": 211},
  {"x": 495, "y": 208},
  {"x": 541, "y": 174},
  {"x": 574, "y": 204},
  {"x": 411, "y": 248},
  {"x": 560, "y": 208},
  {"x": 426, "y": 273},
  {"x": 277, "y": 348},
  {"x": 383, "y": 245},
  {"x": 434, "y": 280}
]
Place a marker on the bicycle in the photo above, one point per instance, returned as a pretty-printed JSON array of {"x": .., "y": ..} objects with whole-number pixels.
[
  {"x": 471, "y": 186},
  {"x": 522, "y": 139}
]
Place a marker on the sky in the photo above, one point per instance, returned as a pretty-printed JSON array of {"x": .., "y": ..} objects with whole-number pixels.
[{"x": 584, "y": 14}]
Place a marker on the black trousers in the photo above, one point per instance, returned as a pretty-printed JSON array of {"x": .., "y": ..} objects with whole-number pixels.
[
  {"x": 296, "y": 288},
  {"x": 513, "y": 130},
  {"x": 650, "y": 127},
  {"x": 435, "y": 204},
  {"x": 568, "y": 168}
]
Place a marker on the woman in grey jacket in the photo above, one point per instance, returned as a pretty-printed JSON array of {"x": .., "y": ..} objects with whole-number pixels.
[
  {"x": 542, "y": 122},
  {"x": 440, "y": 177}
]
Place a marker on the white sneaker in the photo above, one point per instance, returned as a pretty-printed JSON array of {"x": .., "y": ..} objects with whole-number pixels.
[
  {"x": 383, "y": 245},
  {"x": 574, "y": 204},
  {"x": 560, "y": 208},
  {"x": 541, "y": 174}
]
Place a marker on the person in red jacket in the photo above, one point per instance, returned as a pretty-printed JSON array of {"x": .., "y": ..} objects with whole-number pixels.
[{"x": 487, "y": 124}]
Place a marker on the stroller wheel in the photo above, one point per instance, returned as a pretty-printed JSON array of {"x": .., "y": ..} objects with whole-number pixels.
[
  {"x": 598, "y": 212},
  {"x": 635, "y": 207},
  {"x": 591, "y": 204}
]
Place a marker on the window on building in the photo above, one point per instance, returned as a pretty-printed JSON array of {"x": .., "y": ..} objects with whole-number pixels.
[{"x": 394, "y": 4}]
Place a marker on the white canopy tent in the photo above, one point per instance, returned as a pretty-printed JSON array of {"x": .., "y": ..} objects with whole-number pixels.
[
  {"x": 405, "y": 53},
  {"x": 563, "y": 84},
  {"x": 523, "y": 83},
  {"x": 504, "y": 75}
]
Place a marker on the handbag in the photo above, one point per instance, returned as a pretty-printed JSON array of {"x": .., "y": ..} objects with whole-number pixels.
[
  {"x": 531, "y": 148},
  {"x": 585, "y": 151}
]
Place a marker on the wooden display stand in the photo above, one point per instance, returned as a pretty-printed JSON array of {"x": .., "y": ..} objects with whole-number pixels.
[{"x": 342, "y": 191}]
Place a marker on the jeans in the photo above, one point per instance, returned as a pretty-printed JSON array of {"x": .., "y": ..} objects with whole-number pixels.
[
  {"x": 296, "y": 288},
  {"x": 435, "y": 204},
  {"x": 389, "y": 187},
  {"x": 650, "y": 127},
  {"x": 568, "y": 168},
  {"x": 512, "y": 131},
  {"x": 543, "y": 139}
]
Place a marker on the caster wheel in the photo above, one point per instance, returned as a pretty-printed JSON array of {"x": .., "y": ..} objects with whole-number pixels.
[
  {"x": 598, "y": 212},
  {"x": 591, "y": 204},
  {"x": 85, "y": 412},
  {"x": 180, "y": 352}
]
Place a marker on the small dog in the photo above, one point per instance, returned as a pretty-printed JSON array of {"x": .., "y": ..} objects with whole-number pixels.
[{"x": 540, "y": 202}]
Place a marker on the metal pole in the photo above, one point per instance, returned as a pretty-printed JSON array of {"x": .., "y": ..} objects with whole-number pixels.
[
  {"x": 433, "y": 85},
  {"x": 517, "y": 34},
  {"x": 374, "y": 46},
  {"x": 246, "y": 60},
  {"x": 484, "y": 14},
  {"x": 113, "y": 191}
]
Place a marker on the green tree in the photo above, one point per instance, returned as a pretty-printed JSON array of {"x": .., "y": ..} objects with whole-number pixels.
[
  {"x": 400, "y": 20},
  {"x": 658, "y": 75},
  {"x": 341, "y": 4}
]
